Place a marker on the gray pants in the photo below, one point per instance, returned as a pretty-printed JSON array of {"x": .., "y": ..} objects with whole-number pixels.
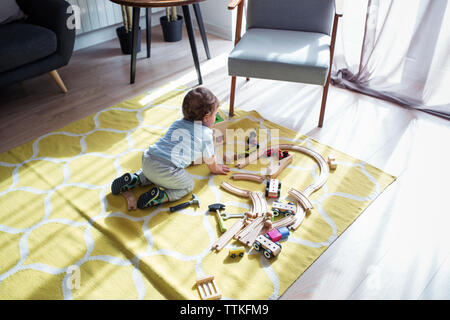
[{"x": 176, "y": 181}]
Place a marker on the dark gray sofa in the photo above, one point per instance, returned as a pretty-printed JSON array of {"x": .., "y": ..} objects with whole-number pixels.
[{"x": 42, "y": 43}]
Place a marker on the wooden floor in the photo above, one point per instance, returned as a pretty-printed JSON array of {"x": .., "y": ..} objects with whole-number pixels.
[{"x": 399, "y": 248}]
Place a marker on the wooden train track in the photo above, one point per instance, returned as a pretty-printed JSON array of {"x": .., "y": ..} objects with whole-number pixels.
[
  {"x": 240, "y": 231},
  {"x": 259, "y": 204},
  {"x": 248, "y": 228},
  {"x": 251, "y": 158},
  {"x": 248, "y": 176},
  {"x": 248, "y": 232},
  {"x": 275, "y": 169},
  {"x": 253, "y": 233},
  {"x": 228, "y": 235},
  {"x": 301, "y": 199},
  {"x": 323, "y": 165},
  {"x": 235, "y": 190},
  {"x": 317, "y": 184},
  {"x": 299, "y": 217}
]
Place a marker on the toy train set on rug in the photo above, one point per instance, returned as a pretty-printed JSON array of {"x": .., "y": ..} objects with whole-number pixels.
[
  {"x": 257, "y": 228},
  {"x": 77, "y": 229}
]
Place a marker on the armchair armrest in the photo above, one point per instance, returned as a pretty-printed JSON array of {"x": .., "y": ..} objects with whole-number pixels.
[
  {"x": 338, "y": 7},
  {"x": 233, "y": 4},
  {"x": 53, "y": 15},
  {"x": 240, "y": 5}
]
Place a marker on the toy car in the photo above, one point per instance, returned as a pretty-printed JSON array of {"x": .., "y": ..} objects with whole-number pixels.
[
  {"x": 273, "y": 188},
  {"x": 271, "y": 249},
  {"x": 281, "y": 154},
  {"x": 286, "y": 209},
  {"x": 234, "y": 252}
]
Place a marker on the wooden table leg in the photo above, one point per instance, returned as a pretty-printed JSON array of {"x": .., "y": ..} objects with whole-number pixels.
[
  {"x": 148, "y": 20},
  {"x": 136, "y": 16},
  {"x": 190, "y": 31},
  {"x": 198, "y": 16}
]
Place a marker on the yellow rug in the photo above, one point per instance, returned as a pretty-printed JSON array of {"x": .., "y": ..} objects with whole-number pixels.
[{"x": 63, "y": 235}]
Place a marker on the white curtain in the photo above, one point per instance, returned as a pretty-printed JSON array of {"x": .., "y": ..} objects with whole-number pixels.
[{"x": 397, "y": 50}]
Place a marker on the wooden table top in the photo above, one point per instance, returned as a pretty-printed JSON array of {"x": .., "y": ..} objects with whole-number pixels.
[{"x": 155, "y": 3}]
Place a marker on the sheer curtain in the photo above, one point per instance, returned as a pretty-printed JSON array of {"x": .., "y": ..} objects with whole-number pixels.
[{"x": 396, "y": 50}]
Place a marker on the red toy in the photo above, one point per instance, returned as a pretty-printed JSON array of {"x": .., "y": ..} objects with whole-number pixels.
[
  {"x": 274, "y": 235},
  {"x": 281, "y": 154}
]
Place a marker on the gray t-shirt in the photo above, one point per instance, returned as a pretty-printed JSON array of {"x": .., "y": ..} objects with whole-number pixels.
[{"x": 184, "y": 142}]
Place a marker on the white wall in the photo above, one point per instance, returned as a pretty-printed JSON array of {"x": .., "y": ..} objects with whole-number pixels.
[
  {"x": 218, "y": 20},
  {"x": 100, "y": 18},
  {"x": 96, "y": 36}
]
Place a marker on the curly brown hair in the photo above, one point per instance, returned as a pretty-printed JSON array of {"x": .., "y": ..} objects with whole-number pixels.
[{"x": 199, "y": 102}]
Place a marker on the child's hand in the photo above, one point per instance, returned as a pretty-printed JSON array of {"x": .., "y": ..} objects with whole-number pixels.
[
  {"x": 221, "y": 169},
  {"x": 215, "y": 167}
]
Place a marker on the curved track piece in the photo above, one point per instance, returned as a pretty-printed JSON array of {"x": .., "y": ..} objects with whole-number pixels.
[
  {"x": 301, "y": 199},
  {"x": 235, "y": 190},
  {"x": 299, "y": 217},
  {"x": 259, "y": 207},
  {"x": 275, "y": 169},
  {"x": 248, "y": 176},
  {"x": 323, "y": 165},
  {"x": 323, "y": 177}
]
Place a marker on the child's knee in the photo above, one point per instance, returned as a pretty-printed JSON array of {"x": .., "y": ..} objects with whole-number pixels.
[
  {"x": 190, "y": 186},
  {"x": 176, "y": 194}
]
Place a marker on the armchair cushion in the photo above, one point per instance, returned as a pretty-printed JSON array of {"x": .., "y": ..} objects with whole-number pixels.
[
  {"x": 10, "y": 12},
  {"x": 284, "y": 55},
  {"x": 22, "y": 43}
]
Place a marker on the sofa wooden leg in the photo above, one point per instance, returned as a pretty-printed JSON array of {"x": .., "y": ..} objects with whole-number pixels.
[
  {"x": 59, "y": 82},
  {"x": 232, "y": 92}
]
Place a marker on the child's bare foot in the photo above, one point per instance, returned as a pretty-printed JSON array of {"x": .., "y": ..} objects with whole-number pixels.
[{"x": 131, "y": 200}]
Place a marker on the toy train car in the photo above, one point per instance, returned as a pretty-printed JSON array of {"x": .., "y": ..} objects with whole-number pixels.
[
  {"x": 273, "y": 188},
  {"x": 286, "y": 209},
  {"x": 270, "y": 249}
]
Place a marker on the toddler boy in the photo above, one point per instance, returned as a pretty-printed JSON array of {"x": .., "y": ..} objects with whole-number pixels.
[{"x": 187, "y": 141}]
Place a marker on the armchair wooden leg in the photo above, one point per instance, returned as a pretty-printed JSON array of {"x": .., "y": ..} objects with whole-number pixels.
[
  {"x": 232, "y": 92},
  {"x": 58, "y": 80},
  {"x": 324, "y": 102}
]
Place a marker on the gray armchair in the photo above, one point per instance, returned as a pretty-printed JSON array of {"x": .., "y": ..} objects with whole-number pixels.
[{"x": 287, "y": 40}]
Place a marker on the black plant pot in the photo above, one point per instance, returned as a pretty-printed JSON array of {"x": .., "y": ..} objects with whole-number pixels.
[
  {"x": 126, "y": 40},
  {"x": 172, "y": 29}
]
